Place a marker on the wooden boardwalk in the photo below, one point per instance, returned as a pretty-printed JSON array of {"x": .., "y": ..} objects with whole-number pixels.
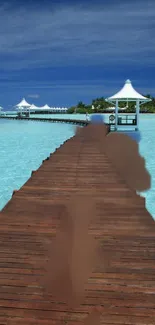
[
  {"x": 42, "y": 119},
  {"x": 125, "y": 289}
]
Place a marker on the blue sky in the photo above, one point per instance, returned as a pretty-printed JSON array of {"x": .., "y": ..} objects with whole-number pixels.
[{"x": 61, "y": 52}]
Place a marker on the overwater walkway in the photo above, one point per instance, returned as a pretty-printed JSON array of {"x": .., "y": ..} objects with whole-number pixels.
[
  {"x": 123, "y": 288},
  {"x": 42, "y": 119}
]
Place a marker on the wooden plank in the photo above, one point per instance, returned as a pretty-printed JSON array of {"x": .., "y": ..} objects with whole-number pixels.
[{"x": 124, "y": 293}]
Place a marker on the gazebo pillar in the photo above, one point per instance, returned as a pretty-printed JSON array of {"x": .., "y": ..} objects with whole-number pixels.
[
  {"x": 116, "y": 114},
  {"x": 20, "y": 108},
  {"x": 137, "y": 113}
]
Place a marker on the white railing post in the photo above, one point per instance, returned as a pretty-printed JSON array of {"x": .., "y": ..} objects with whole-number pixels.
[
  {"x": 116, "y": 115},
  {"x": 137, "y": 114}
]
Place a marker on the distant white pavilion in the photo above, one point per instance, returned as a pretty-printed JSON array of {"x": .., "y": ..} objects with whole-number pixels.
[
  {"x": 109, "y": 109},
  {"x": 126, "y": 94},
  {"x": 23, "y": 106},
  {"x": 34, "y": 107},
  {"x": 112, "y": 108},
  {"x": 45, "y": 107}
]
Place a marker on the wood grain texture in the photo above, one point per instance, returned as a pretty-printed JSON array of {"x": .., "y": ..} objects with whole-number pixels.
[{"x": 121, "y": 288}]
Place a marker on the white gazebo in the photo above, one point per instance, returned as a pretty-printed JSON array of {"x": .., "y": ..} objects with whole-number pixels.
[
  {"x": 23, "y": 105},
  {"x": 127, "y": 94}
]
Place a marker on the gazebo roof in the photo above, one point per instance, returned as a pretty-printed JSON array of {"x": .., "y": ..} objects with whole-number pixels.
[
  {"x": 23, "y": 103},
  {"x": 45, "y": 107},
  {"x": 128, "y": 92},
  {"x": 34, "y": 106}
]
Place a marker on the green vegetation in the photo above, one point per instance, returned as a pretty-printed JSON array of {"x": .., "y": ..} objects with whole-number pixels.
[{"x": 100, "y": 106}]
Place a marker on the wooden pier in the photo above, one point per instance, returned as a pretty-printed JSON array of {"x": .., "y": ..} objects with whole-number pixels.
[
  {"x": 124, "y": 291},
  {"x": 53, "y": 120}
]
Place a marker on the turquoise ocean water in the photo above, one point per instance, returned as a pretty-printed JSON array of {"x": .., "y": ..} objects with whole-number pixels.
[{"x": 24, "y": 144}]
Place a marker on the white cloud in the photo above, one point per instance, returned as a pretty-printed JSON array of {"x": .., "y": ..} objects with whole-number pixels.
[
  {"x": 34, "y": 96},
  {"x": 108, "y": 35}
]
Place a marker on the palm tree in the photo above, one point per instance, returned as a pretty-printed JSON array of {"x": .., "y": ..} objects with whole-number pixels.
[{"x": 80, "y": 104}]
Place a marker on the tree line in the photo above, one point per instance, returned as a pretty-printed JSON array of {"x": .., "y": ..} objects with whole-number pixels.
[{"x": 99, "y": 105}]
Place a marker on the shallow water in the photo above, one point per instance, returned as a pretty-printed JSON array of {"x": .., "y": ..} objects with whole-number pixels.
[
  {"x": 147, "y": 150},
  {"x": 24, "y": 144}
]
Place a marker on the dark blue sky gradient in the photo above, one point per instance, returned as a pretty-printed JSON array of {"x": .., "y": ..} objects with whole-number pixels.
[{"x": 61, "y": 52}]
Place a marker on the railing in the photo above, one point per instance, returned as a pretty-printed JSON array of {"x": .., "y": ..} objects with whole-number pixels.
[
  {"x": 123, "y": 120},
  {"x": 23, "y": 114},
  {"x": 53, "y": 120},
  {"x": 127, "y": 120}
]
